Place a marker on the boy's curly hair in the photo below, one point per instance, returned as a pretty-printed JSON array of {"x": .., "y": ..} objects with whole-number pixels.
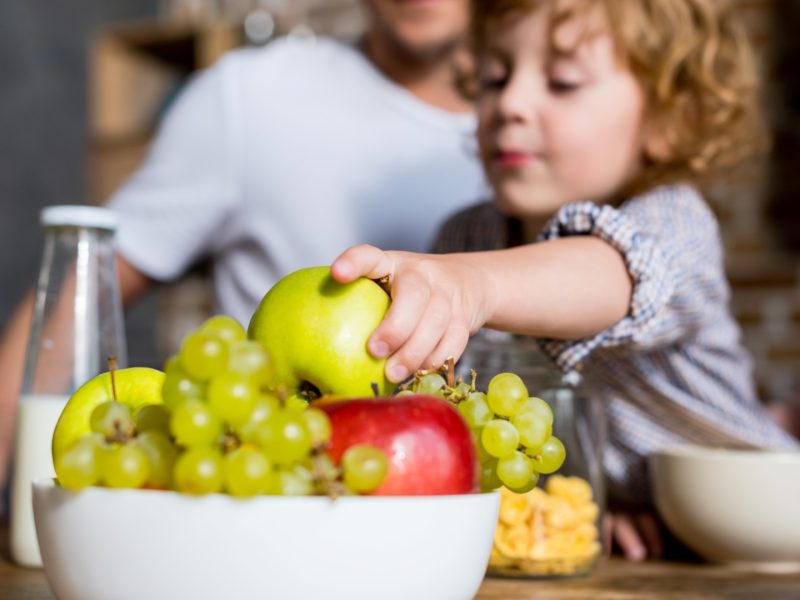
[{"x": 696, "y": 68}]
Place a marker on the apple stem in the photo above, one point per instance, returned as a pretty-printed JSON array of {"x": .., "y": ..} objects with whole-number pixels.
[
  {"x": 112, "y": 366},
  {"x": 375, "y": 391},
  {"x": 386, "y": 284}
]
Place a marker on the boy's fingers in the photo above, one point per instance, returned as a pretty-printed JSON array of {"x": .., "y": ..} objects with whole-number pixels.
[
  {"x": 651, "y": 532},
  {"x": 628, "y": 538},
  {"x": 428, "y": 332},
  {"x": 362, "y": 261},
  {"x": 607, "y": 533},
  {"x": 411, "y": 299},
  {"x": 452, "y": 344}
]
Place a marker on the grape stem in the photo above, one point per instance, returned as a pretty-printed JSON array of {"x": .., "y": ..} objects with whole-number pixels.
[
  {"x": 330, "y": 485},
  {"x": 112, "y": 367},
  {"x": 119, "y": 436},
  {"x": 450, "y": 363},
  {"x": 230, "y": 442}
]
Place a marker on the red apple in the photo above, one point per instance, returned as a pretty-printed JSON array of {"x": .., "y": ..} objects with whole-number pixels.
[{"x": 427, "y": 443}]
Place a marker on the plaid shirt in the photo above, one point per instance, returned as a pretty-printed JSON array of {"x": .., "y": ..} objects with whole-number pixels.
[{"x": 673, "y": 370}]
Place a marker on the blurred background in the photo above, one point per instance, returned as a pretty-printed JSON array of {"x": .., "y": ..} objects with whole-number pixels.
[{"x": 83, "y": 84}]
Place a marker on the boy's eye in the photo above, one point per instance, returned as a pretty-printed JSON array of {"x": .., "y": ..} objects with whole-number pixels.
[
  {"x": 562, "y": 86},
  {"x": 493, "y": 82}
]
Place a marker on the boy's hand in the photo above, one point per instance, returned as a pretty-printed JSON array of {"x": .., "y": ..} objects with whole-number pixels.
[
  {"x": 637, "y": 535},
  {"x": 437, "y": 302}
]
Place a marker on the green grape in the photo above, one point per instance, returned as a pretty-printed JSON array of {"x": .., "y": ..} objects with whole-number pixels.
[
  {"x": 506, "y": 394},
  {"x": 515, "y": 471},
  {"x": 194, "y": 424},
  {"x": 539, "y": 407},
  {"x": 296, "y": 403},
  {"x": 462, "y": 389},
  {"x": 528, "y": 485},
  {"x": 533, "y": 431},
  {"x": 224, "y": 327},
  {"x": 483, "y": 455},
  {"x": 251, "y": 359},
  {"x": 126, "y": 466},
  {"x": 402, "y": 393},
  {"x": 475, "y": 410},
  {"x": 161, "y": 454},
  {"x": 489, "y": 479},
  {"x": 285, "y": 438},
  {"x": 179, "y": 385},
  {"x": 431, "y": 384},
  {"x": 203, "y": 355},
  {"x": 80, "y": 466},
  {"x": 232, "y": 397},
  {"x": 364, "y": 467},
  {"x": 549, "y": 457},
  {"x": 153, "y": 417},
  {"x": 319, "y": 426},
  {"x": 264, "y": 407},
  {"x": 110, "y": 418},
  {"x": 248, "y": 472},
  {"x": 198, "y": 471},
  {"x": 294, "y": 481},
  {"x": 500, "y": 438}
]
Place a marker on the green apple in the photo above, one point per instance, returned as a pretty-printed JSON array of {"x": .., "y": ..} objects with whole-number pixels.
[
  {"x": 316, "y": 330},
  {"x": 135, "y": 387}
]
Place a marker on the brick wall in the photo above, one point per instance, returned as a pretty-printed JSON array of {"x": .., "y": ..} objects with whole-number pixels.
[{"x": 760, "y": 215}]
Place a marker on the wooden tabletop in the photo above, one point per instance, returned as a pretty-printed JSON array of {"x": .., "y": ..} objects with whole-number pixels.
[{"x": 614, "y": 579}]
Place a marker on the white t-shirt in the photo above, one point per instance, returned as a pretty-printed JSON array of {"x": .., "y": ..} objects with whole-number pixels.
[{"x": 280, "y": 158}]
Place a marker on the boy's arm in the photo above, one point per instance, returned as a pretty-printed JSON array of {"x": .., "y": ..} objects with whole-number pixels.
[
  {"x": 13, "y": 346},
  {"x": 567, "y": 288}
]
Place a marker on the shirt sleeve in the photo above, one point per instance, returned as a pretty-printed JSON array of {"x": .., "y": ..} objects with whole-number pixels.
[
  {"x": 172, "y": 207},
  {"x": 670, "y": 242}
]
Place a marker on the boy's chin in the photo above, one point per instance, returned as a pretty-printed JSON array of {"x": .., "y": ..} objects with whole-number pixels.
[{"x": 530, "y": 207}]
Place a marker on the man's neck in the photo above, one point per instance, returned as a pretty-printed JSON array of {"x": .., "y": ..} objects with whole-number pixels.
[{"x": 433, "y": 81}]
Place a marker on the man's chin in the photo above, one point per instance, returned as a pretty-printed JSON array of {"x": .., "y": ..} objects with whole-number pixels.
[{"x": 426, "y": 44}]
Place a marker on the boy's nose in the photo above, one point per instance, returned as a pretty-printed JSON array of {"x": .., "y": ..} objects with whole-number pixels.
[{"x": 519, "y": 100}]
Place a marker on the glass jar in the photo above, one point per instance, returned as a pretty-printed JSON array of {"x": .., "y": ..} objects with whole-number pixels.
[
  {"x": 77, "y": 325},
  {"x": 553, "y": 530}
]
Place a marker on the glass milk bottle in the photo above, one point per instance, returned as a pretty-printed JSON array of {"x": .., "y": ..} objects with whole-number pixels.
[
  {"x": 555, "y": 529},
  {"x": 77, "y": 325}
]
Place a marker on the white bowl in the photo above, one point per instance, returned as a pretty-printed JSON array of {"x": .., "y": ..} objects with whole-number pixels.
[
  {"x": 103, "y": 544},
  {"x": 732, "y": 506}
]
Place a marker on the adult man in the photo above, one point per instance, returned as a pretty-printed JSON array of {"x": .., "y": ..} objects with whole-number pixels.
[{"x": 278, "y": 158}]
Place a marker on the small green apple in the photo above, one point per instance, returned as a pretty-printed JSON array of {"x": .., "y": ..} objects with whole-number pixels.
[
  {"x": 135, "y": 387},
  {"x": 316, "y": 330}
]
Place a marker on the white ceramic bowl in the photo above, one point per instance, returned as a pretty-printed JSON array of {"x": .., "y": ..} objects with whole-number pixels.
[
  {"x": 732, "y": 506},
  {"x": 102, "y": 544}
]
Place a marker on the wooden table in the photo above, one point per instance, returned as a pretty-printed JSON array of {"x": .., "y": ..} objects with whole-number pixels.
[{"x": 615, "y": 579}]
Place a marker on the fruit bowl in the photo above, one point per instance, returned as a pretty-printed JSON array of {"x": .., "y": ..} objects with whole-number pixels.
[
  {"x": 732, "y": 506},
  {"x": 104, "y": 544}
]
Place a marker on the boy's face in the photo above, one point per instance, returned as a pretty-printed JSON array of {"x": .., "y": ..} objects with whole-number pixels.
[
  {"x": 556, "y": 127},
  {"x": 420, "y": 29}
]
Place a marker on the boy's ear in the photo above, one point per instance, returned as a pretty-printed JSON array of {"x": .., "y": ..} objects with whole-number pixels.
[{"x": 657, "y": 143}]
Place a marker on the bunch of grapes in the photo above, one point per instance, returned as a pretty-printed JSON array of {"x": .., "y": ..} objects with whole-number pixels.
[
  {"x": 513, "y": 430},
  {"x": 220, "y": 429}
]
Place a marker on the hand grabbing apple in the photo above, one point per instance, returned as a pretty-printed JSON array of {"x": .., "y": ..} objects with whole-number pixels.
[
  {"x": 316, "y": 331},
  {"x": 438, "y": 301}
]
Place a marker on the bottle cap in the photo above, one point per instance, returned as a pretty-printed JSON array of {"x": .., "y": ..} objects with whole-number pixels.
[{"x": 79, "y": 216}]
